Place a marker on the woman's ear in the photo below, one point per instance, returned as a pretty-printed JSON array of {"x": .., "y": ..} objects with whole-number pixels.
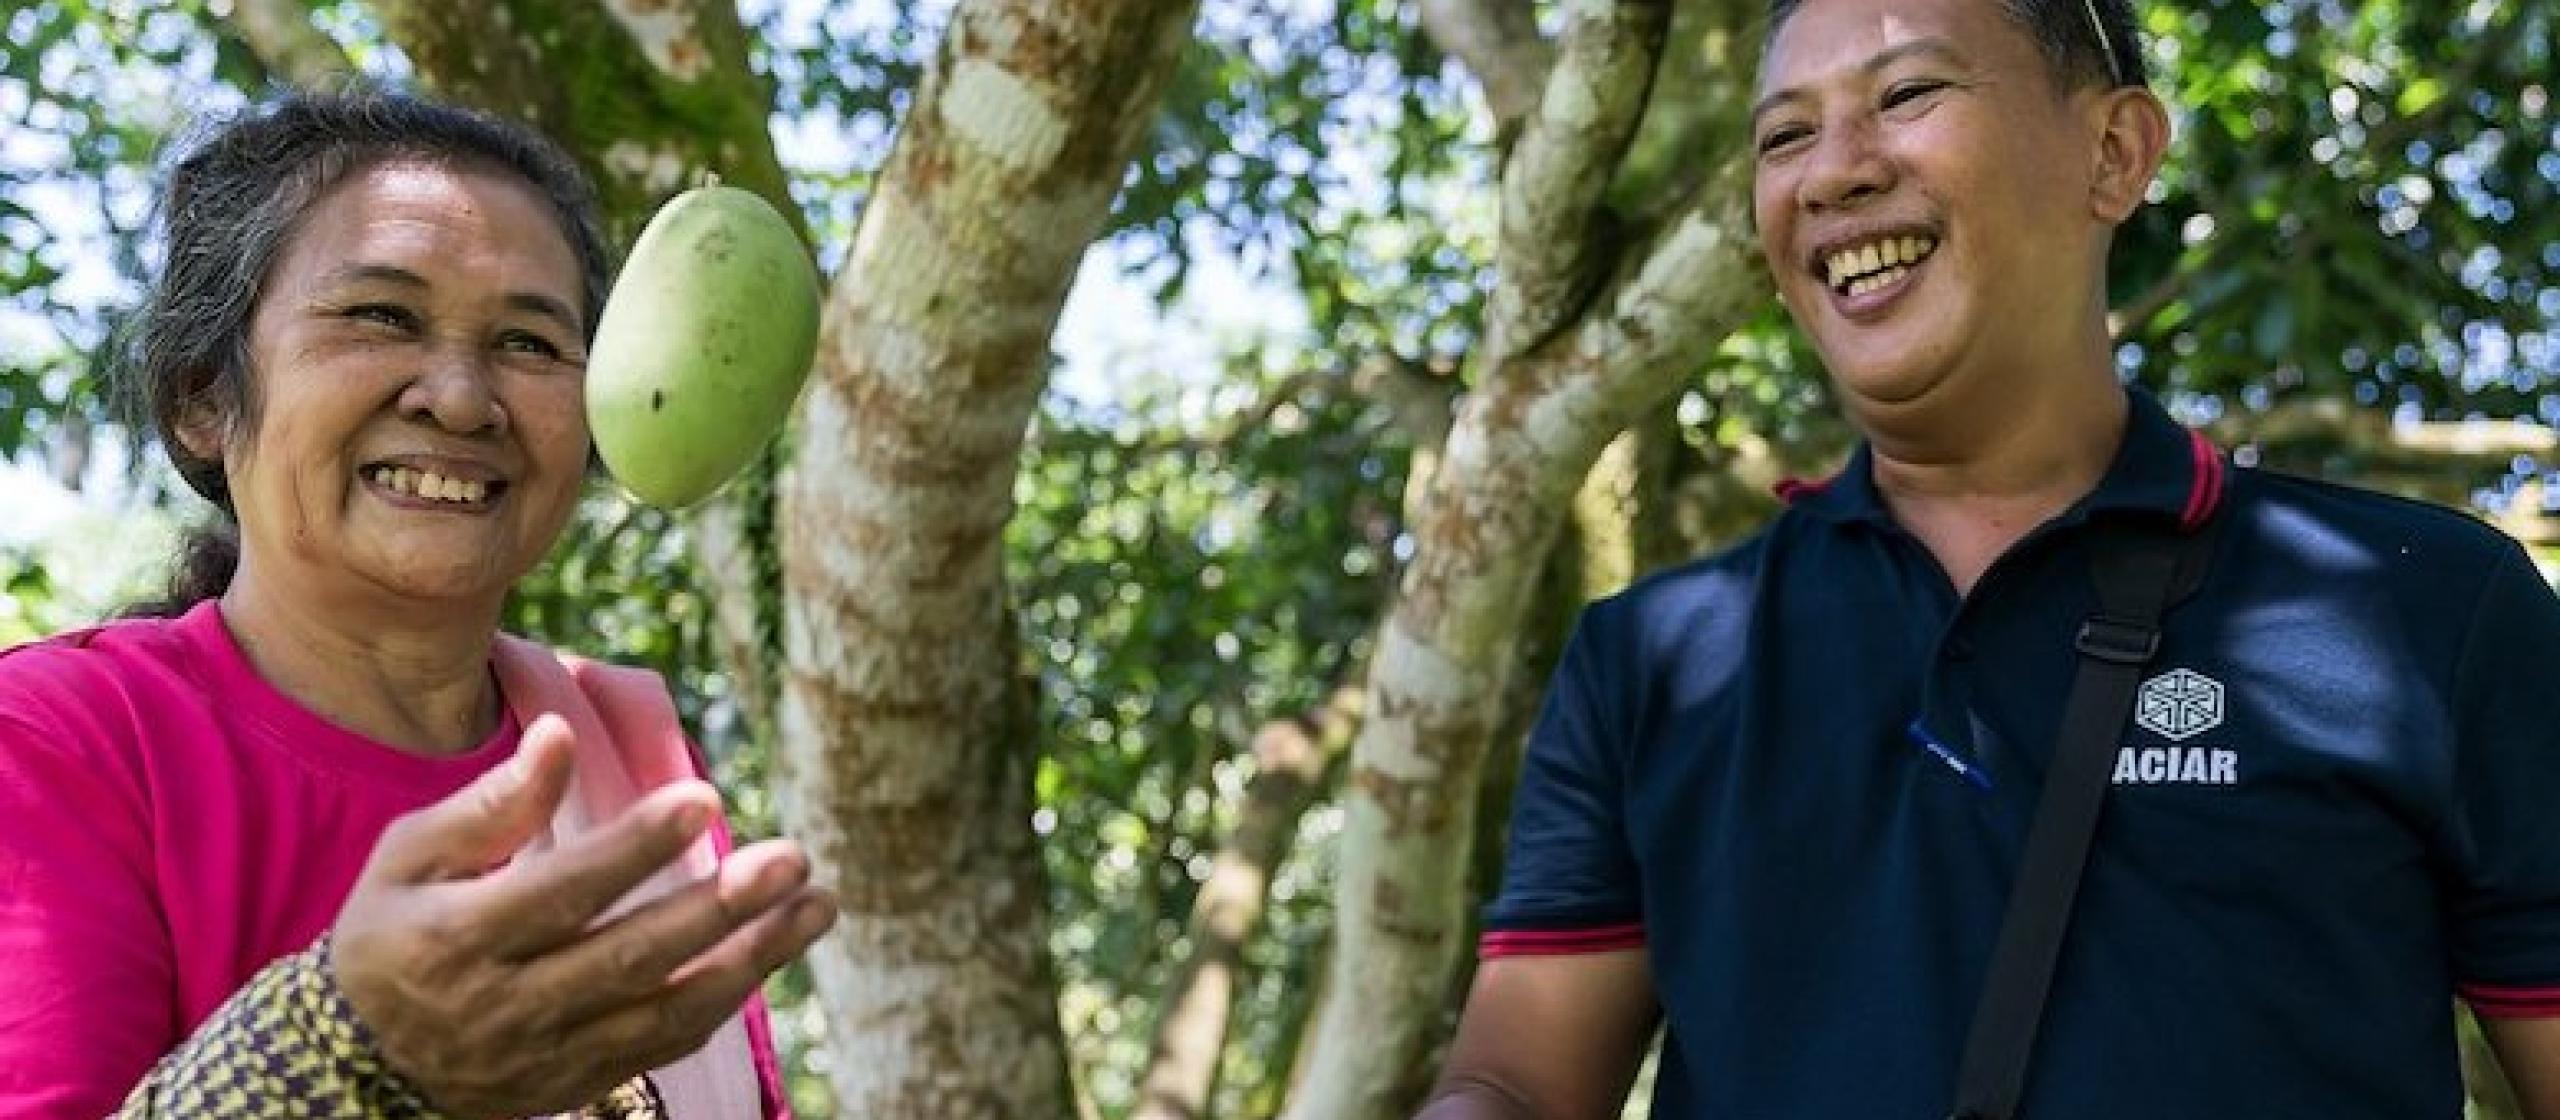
[
  {"x": 2133, "y": 137},
  {"x": 201, "y": 432}
]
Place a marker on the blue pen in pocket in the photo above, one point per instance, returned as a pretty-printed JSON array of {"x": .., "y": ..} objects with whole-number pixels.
[{"x": 1974, "y": 775}]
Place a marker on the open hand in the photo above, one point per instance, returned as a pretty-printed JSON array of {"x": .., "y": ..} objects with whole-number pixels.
[{"x": 496, "y": 993}]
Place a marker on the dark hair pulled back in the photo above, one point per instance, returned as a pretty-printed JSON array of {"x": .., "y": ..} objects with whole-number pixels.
[{"x": 232, "y": 199}]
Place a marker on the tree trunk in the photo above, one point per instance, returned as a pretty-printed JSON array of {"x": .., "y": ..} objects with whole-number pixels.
[
  {"x": 1291, "y": 758},
  {"x": 1598, "y": 551},
  {"x": 906, "y": 743},
  {"x": 1582, "y": 337},
  {"x": 280, "y": 34}
]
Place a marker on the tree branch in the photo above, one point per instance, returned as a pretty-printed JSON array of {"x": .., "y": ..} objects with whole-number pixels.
[
  {"x": 1423, "y": 404},
  {"x": 2130, "y": 322},
  {"x": 2137, "y": 313},
  {"x": 729, "y": 560},
  {"x": 1522, "y": 442},
  {"x": 1498, "y": 42},
  {"x": 280, "y": 33},
  {"x": 1291, "y": 757},
  {"x": 1693, "y": 283},
  {"x": 1552, "y": 237}
]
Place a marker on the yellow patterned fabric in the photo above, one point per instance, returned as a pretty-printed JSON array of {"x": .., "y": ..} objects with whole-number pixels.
[{"x": 287, "y": 1046}]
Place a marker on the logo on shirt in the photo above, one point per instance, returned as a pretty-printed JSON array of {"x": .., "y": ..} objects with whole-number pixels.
[
  {"x": 2180, "y": 766},
  {"x": 2179, "y": 705}
]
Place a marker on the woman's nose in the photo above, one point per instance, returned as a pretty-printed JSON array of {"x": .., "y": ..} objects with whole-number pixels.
[{"x": 456, "y": 391}]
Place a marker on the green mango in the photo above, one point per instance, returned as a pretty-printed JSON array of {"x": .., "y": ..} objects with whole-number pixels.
[{"x": 703, "y": 345}]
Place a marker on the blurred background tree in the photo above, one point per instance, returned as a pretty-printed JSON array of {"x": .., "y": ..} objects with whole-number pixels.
[{"x": 1132, "y": 676}]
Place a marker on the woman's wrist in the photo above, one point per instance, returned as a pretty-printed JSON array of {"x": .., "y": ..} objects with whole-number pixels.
[{"x": 342, "y": 1035}]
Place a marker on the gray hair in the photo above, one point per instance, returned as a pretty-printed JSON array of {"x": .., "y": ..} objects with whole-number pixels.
[
  {"x": 233, "y": 199},
  {"x": 2085, "y": 42}
]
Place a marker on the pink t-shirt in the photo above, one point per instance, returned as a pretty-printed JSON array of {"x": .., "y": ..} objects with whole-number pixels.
[{"x": 170, "y": 824}]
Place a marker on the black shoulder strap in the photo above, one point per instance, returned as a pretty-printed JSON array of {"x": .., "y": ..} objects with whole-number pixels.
[{"x": 2140, "y": 572}]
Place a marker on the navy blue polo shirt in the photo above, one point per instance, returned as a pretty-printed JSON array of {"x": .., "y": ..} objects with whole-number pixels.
[{"x": 1799, "y": 774}]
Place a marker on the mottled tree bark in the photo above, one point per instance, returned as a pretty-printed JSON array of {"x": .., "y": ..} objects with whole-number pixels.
[
  {"x": 1498, "y": 42},
  {"x": 1589, "y": 328},
  {"x": 906, "y": 743},
  {"x": 649, "y": 93},
  {"x": 280, "y": 34}
]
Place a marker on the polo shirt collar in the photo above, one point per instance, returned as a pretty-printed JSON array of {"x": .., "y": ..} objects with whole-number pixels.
[{"x": 2161, "y": 468}]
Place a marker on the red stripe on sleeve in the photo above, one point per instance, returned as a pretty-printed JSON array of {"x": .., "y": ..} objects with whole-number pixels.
[
  {"x": 2498, "y": 1002},
  {"x": 1560, "y": 942}
]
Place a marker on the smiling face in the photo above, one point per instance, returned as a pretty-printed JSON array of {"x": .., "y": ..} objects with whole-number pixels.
[
  {"x": 1934, "y": 205},
  {"x": 417, "y": 361}
]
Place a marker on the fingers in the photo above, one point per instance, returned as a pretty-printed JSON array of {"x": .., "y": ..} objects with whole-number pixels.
[
  {"x": 632, "y": 958},
  {"x": 471, "y": 831},
  {"x": 773, "y": 939},
  {"x": 490, "y": 990},
  {"x": 708, "y": 989},
  {"x": 549, "y": 900}
]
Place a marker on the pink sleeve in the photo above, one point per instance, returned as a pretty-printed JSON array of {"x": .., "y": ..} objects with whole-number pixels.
[
  {"x": 87, "y": 994},
  {"x": 640, "y": 716}
]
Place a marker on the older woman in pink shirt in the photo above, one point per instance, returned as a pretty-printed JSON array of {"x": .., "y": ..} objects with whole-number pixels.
[{"x": 314, "y": 837}]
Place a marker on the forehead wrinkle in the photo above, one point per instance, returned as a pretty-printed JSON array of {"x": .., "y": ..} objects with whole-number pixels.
[
  {"x": 368, "y": 272},
  {"x": 389, "y": 239}
]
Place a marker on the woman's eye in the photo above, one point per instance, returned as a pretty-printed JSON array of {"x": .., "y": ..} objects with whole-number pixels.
[
  {"x": 527, "y": 342},
  {"x": 386, "y": 314},
  {"x": 1909, "y": 92}
]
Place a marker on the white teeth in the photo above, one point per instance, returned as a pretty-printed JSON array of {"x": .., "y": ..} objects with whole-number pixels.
[{"x": 423, "y": 484}]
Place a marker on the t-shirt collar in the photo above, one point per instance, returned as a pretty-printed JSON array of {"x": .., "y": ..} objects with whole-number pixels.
[{"x": 2161, "y": 468}]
